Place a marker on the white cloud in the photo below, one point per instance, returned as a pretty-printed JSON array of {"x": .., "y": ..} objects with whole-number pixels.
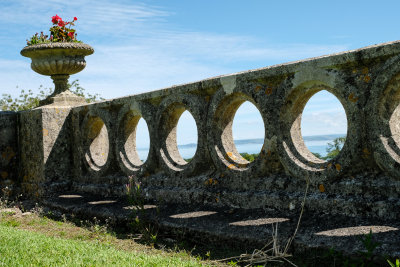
[
  {"x": 150, "y": 63},
  {"x": 100, "y": 12},
  {"x": 324, "y": 122},
  {"x": 137, "y": 49}
]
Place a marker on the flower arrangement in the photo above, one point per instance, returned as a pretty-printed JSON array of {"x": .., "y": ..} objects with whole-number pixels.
[{"x": 59, "y": 32}]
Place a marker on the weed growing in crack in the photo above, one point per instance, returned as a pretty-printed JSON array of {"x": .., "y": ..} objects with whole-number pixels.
[
  {"x": 397, "y": 264},
  {"x": 8, "y": 199},
  {"x": 370, "y": 246},
  {"x": 140, "y": 223},
  {"x": 97, "y": 228}
]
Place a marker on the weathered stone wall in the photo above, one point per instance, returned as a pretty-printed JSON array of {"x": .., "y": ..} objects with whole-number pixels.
[
  {"x": 8, "y": 152},
  {"x": 46, "y": 150},
  {"x": 364, "y": 179}
]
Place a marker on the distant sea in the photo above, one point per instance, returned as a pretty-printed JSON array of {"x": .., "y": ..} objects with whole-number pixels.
[{"x": 315, "y": 143}]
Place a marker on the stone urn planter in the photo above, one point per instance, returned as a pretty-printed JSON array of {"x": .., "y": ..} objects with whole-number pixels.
[{"x": 59, "y": 60}]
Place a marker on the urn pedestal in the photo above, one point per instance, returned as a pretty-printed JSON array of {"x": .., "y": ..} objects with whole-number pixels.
[{"x": 59, "y": 61}]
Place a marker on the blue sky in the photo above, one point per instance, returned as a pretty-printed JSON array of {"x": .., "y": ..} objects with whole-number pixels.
[{"x": 147, "y": 45}]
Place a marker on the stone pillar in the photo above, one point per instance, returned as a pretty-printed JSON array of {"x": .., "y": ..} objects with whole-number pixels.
[{"x": 46, "y": 150}]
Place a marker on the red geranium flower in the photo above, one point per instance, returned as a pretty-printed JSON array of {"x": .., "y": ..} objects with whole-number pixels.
[
  {"x": 55, "y": 19},
  {"x": 61, "y": 23},
  {"x": 61, "y": 31}
]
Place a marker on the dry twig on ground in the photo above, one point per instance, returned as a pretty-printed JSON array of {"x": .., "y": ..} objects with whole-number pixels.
[{"x": 272, "y": 252}]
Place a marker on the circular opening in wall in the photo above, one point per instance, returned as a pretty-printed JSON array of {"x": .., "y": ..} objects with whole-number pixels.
[
  {"x": 248, "y": 131},
  {"x": 394, "y": 124},
  {"x": 323, "y": 127},
  {"x": 186, "y": 136},
  {"x": 98, "y": 145},
  {"x": 142, "y": 140},
  {"x": 390, "y": 108},
  {"x": 388, "y": 124},
  {"x": 136, "y": 141}
]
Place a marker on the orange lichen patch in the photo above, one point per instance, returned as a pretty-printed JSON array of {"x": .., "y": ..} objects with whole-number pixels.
[
  {"x": 216, "y": 199},
  {"x": 338, "y": 167},
  {"x": 211, "y": 181},
  {"x": 230, "y": 155},
  {"x": 367, "y": 79},
  {"x": 4, "y": 175},
  {"x": 353, "y": 98},
  {"x": 208, "y": 181},
  {"x": 366, "y": 153},
  {"x": 230, "y": 166},
  {"x": 321, "y": 188},
  {"x": 8, "y": 154},
  {"x": 365, "y": 70},
  {"x": 258, "y": 88},
  {"x": 45, "y": 132},
  {"x": 354, "y": 71},
  {"x": 268, "y": 91}
]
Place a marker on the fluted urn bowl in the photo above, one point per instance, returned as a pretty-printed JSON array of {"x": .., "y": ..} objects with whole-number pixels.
[{"x": 59, "y": 60}]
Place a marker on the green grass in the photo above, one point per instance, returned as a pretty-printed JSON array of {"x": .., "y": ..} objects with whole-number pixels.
[
  {"x": 25, "y": 248},
  {"x": 36, "y": 240}
]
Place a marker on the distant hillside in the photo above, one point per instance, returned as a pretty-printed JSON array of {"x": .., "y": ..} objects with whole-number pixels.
[
  {"x": 261, "y": 141},
  {"x": 322, "y": 137}
]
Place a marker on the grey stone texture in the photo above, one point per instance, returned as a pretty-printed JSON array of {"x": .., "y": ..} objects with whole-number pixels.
[
  {"x": 8, "y": 152},
  {"x": 363, "y": 179},
  {"x": 92, "y": 148}
]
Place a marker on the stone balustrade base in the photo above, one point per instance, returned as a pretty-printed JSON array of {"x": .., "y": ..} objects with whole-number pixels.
[{"x": 251, "y": 228}]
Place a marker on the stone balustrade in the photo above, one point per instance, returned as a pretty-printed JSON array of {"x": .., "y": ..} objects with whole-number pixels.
[{"x": 92, "y": 148}]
